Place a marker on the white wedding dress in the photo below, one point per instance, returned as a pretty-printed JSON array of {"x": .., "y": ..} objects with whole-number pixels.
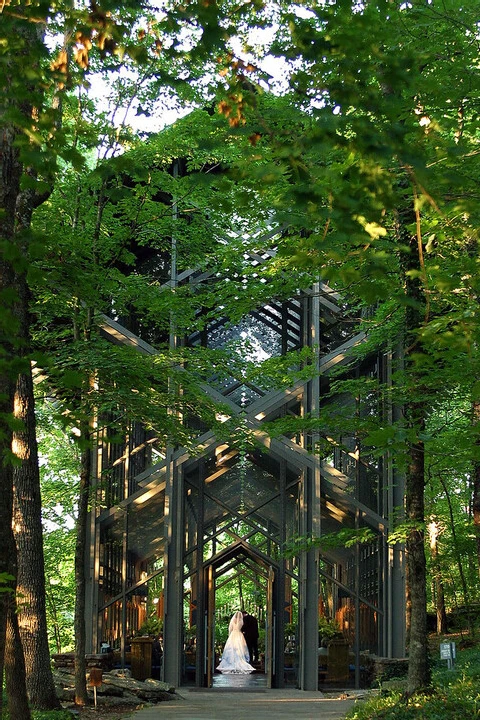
[{"x": 235, "y": 653}]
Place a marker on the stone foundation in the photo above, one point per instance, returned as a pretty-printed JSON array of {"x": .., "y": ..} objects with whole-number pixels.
[
  {"x": 387, "y": 668},
  {"x": 104, "y": 661},
  {"x": 127, "y": 689}
]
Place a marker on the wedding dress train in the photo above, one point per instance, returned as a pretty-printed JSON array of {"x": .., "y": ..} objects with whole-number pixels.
[{"x": 235, "y": 653}]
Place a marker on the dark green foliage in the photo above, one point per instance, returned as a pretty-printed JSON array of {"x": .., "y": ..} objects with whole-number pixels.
[
  {"x": 380, "y": 113},
  {"x": 454, "y": 695},
  {"x": 346, "y": 537}
]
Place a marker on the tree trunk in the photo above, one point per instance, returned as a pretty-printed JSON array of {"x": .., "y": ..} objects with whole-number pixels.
[
  {"x": 415, "y": 412},
  {"x": 18, "y": 708},
  {"x": 458, "y": 555},
  {"x": 27, "y": 506},
  {"x": 442, "y": 624},
  {"x": 29, "y": 541},
  {"x": 12, "y": 654},
  {"x": 50, "y": 601},
  {"x": 6, "y": 540},
  {"x": 80, "y": 549},
  {"x": 17, "y": 701},
  {"x": 418, "y": 667},
  {"x": 408, "y": 607},
  {"x": 10, "y": 171},
  {"x": 16, "y": 97},
  {"x": 437, "y": 577},
  {"x": 476, "y": 484}
]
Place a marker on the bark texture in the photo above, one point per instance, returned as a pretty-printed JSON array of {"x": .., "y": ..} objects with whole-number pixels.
[
  {"x": 476, "y": 485},
  {"x": 29, "y": 540},
  {"x": 7, "y": 568},
  {"x": 459, "y": 557},
  {"x": 10, "y": 171},
  {"x": 27, "y": 506},
  {"x": 80, "y": 550},
  {"x": 418, "y": 667},
  {"x": 415, "y": 413},
  {"x": 439, "y": 591},
  {"x": 18, "y": 708}
]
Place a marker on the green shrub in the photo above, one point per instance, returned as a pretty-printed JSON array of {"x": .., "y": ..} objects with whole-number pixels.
[
  {"x": 151, "y": 626},
  {"x": 328, "y": 628},
  {"x": 456, "y": 696},
  {"x": 439, "y": 706}
]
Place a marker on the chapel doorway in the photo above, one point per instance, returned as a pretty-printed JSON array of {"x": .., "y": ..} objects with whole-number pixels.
[
  {"x": 239, "y": 510},
  {"x": 238, "y": 580}
]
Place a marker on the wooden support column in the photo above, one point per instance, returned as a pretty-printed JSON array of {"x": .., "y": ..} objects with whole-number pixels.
[
  {"x": 123, "y": 616},
  {"x": 200, "y": 580},
  {"x": 124, "y": 586},
  {"x": 394, "y": 638},
  {"x": 357, "y": 620},
  {"x": 310, "y": 522},
  {"x": 92, "y": 575},
  {"x": 174, "y": 507},
  {"x": 310, "y": 586},
  {"x": 357, "y": 600},
  {"x": 173, "y": 619},
  {"x": 279, "y": 588}
]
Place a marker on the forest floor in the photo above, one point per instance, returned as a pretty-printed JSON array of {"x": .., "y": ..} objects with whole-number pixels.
[
  {"x": 117, "y": 698},
  {"x": 455, "y": 690},
  {"x": 114, "y": 709},
  {"x": 107, "y": 711}
]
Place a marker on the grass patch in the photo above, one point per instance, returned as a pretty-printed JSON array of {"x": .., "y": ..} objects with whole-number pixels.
[{"x": 456, "y": 695}]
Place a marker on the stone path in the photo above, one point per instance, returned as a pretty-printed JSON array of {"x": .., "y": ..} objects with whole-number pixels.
[{"x": 243, "y": 704}]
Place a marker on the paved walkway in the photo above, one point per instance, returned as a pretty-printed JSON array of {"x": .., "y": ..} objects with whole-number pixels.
[{"x": 241, "y": 704}]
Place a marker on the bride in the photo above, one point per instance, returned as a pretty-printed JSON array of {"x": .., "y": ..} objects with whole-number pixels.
[{"x": 235, "y": 654}]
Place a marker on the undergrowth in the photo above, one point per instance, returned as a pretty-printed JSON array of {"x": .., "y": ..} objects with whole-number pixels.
[
  {"x": 39, "y": 714},
  {"x": 456, "y": 695}
]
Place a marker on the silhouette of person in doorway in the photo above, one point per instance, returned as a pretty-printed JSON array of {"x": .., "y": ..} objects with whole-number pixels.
[
  {"x": 235, "y": 653},
  {"x": 157, "y": 655},
  {"x": 250, "y": 632}
]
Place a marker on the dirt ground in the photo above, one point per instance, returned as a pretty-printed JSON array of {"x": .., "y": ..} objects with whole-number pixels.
[{"x": 105, "y": 711}]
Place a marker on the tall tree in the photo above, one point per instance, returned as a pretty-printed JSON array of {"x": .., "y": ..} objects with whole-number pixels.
[
  {"x": 30, "y": 144},
  {"x": 386, "y": 113},
  {"x": 15, "y": 114},
  {"x": 27, "y": 523},
  {"x": 415, "y": 412},
  {"x": 28, "y": 536},
  {"x": 29, "y": 150}
]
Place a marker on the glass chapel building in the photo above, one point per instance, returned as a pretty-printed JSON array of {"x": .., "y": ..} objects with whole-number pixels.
[{"x": 169, "y": 527}]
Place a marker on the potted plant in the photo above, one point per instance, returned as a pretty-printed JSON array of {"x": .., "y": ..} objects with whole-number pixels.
[
  {"x": 328, "y": 629},
  {"x": 151, "y": 626}
]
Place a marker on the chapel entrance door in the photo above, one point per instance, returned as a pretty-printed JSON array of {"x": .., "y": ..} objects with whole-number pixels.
[
  {"x": 209, "y": 626},
  {"x": 229, "y": 566},
  {"x": 270, "y": 630}
]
